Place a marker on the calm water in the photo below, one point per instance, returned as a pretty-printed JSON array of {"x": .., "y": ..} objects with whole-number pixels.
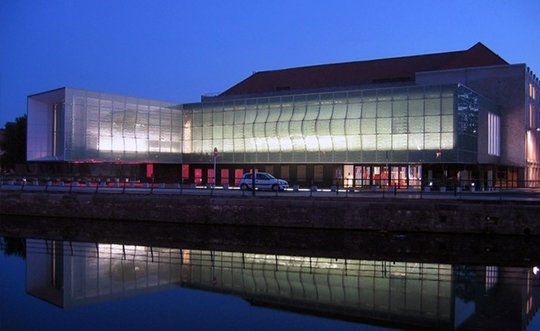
[{"x": 124, "y": 283}]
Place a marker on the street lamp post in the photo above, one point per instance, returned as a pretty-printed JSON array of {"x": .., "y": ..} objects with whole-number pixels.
[{"x": 216, "y": 153}]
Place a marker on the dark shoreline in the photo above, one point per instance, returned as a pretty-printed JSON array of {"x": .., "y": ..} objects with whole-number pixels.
[{"x": 428, "y": 248}]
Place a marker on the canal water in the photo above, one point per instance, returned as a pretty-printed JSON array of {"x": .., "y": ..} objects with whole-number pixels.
[{"x": 54, "y": 276}]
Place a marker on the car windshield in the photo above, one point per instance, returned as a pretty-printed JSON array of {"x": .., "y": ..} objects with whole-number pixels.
[{"x": 270, "y": 176}]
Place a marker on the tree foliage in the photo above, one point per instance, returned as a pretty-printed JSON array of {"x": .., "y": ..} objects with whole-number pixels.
[
  {"x": 13, "y": 246},
  {"x": 14, "y": 143}
]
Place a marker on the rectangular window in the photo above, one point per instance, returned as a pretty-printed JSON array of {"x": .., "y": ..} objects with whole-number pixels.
[
  {"x": 224, "y": 176},
  {"x": 531, "y": 116},
  {"x": 149, "y": 170},
  {"x": 185, "y": 172},
  {"x": 198, "y": 176},
  {"x": 493, "y": 134},
  {"x": 211, "y": 177}
]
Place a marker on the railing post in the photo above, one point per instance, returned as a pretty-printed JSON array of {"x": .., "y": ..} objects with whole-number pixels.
[{"x": 253, "y": 180}]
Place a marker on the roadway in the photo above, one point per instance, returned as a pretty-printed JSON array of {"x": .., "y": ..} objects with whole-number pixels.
[{"x": 176, "y": 189}]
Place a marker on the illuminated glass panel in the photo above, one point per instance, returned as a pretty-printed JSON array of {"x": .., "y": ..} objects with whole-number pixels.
[
  {"x": 400, "y": 119},
  {"x": 107, "y": 127},
  {"x": 326, "y": 111},
  {"x": 340, "y": 109},
  {"x": 369, "y": 110},
  {"x": 399, "y": 108}
]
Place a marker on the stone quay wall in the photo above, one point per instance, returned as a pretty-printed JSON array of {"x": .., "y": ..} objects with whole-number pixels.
[{"x": 370, "y": 214}]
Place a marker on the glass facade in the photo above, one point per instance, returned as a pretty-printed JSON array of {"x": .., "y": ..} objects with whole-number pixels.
[
  {"x": 415, "y": 124},
  {"x": 406, "y": 124},
  {"x": 95, "y": 126}
]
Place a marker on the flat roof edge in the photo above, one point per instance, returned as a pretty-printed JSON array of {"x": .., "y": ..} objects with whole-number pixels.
[{"x": 45, "y": 92}]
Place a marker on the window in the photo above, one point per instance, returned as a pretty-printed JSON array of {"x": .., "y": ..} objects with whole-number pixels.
[
  {"x": 493, "y": 134},
  {"x": 531, "y": 116}
]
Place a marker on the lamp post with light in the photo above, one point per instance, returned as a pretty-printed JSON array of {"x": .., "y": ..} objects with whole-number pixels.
[{"x": 215, "y": 155}]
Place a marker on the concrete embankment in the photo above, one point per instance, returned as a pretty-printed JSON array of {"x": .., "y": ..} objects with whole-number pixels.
[{"x": 400, "y": 215}]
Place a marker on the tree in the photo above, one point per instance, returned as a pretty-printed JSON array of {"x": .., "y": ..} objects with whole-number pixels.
[
  {"x": 14, "y": 143},
  {"x": 14, "y": 246}
]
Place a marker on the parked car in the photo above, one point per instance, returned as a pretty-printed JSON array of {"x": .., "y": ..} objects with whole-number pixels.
[{"x": 263, "y": 181}]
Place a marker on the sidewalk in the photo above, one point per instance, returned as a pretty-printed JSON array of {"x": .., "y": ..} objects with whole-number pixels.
[{"x": 523, "y": 194}]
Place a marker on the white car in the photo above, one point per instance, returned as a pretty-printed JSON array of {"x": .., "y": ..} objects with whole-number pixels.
[{"x": 263, "y": 181}]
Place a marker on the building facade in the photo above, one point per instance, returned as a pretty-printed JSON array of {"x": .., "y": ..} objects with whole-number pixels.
[{"x": 460, "y": 119}]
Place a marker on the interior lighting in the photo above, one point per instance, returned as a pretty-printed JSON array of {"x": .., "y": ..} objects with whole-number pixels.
[
  {"x": 187, "y": 135},
  {"x": 312, "y": 145},
  {"x": 531, "y": 142},
  {"x": 273, "y": 144},
  {"x": 119, "y": 144},
  {"x": 325, "y": 143}
]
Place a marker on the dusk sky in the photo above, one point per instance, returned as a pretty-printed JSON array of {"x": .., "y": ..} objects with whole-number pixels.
[{"x": 179, "y": 50}]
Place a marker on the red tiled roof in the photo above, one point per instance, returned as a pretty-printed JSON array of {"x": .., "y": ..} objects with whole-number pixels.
[{"x": 363, "y": 72}]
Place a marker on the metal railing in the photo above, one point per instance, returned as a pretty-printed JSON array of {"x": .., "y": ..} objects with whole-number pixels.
[{"x": 528, "y": 190}]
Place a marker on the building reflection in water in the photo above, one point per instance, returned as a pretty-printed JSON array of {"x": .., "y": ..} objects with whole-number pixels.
[{"x": 394, "y": 294}]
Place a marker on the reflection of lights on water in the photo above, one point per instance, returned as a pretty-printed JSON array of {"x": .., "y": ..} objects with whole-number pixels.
[{"x": 536, "y": 270}]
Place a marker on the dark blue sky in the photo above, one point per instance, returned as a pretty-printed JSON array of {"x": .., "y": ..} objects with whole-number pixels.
[{"x": 179, "y": 50}]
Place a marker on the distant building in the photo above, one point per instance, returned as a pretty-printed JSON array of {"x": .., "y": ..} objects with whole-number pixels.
[{"x": 450, "y": 119}]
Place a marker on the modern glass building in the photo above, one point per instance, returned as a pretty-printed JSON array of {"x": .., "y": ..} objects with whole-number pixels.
[
  {"x": 429, "y": 131},
  {"x": 80, "y": 126}
]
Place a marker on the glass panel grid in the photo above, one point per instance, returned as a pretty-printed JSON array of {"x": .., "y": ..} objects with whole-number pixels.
[
  {"x": 329, "y": 126},
  {"x": 117, "y": 128}
]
